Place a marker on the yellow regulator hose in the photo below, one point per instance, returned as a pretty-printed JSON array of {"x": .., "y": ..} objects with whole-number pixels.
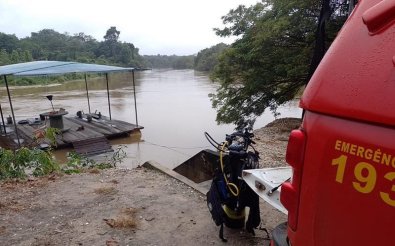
[{"x": 231, "y": 186}]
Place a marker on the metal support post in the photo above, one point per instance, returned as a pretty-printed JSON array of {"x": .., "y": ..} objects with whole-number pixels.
[{"x": 108, "y": 96}]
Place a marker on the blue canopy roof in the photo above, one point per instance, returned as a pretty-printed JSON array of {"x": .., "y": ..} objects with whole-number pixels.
[{"x": 57, "y": 67}]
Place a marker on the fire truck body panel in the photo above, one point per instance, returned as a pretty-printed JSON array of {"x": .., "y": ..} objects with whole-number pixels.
[
  {"x": 347, "y": 194},
  {"x": 356, "y": 78},
  {"x": 343, "y": 157}
]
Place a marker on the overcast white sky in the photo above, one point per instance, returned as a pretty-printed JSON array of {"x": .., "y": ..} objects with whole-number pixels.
[{"x": 167, "y": 27}]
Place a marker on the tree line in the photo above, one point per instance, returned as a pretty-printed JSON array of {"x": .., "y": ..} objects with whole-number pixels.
[
  {"x": 49, "y": 44},
  {"x": 174, "y": 62},
  {"x": 205, "y": 60}
]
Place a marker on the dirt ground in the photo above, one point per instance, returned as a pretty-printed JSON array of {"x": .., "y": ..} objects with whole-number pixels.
[{"x": 127, "y": 207}]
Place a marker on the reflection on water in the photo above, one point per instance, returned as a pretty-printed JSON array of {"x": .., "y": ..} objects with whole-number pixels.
[{"x": 173, "y": 106}]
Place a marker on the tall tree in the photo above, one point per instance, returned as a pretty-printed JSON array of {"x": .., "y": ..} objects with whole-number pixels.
[
  {"x": 112, "y": 34},
  {"x": 110, "y": 46},
  {"x": 269, "y": 62}
]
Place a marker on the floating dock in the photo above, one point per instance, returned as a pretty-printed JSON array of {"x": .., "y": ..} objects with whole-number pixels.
[{"x": 86, "y": 136}]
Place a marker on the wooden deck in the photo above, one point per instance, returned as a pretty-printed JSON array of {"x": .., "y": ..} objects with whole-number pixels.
[
  {"x": 92, "y": 146},
  {"x": 76, "y": 132}
]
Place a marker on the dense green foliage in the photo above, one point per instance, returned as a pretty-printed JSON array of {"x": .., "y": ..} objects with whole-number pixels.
[
  {"x": 269, "y": 62},
  {"x": 15, "y": 164},
  {"x": 48, "y": 44},
  {"x": 174, "y": 62},
  {"x": 24, "y": 162},
  {"x": 207, "y": 59},
  {"x": 77, "y": 163}
]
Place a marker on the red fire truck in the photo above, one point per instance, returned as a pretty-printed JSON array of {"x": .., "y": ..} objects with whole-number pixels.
[{"x": 342, "y": 190}]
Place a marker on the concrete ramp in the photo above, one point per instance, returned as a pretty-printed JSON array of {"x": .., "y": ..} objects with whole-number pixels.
[{"x": 201, "y": 166}]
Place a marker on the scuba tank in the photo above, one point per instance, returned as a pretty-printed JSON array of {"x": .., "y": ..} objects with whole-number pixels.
[{"x": 229, "y": 195}]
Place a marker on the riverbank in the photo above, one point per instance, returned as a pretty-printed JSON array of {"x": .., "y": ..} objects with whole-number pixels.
[{"x": 127, "y": 207}]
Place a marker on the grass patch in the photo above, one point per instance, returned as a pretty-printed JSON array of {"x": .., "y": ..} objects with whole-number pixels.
[
  {"x": 94, "y": 170},
  {"x": 11, "y": 206},
  {"x": 126, "y": 219},
  {"x": 105, "y": 190}
]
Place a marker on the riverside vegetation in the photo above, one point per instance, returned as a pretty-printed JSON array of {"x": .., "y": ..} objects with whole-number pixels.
[{"x": 21, "y": 163}]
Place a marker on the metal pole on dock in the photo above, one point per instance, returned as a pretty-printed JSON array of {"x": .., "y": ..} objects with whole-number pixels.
[
  {"x": 2, "y": 119},
  {"x": 108, "y": 96},
  {"x": 135, "y": 102},
  {"x": 87, "y": 94},
  {"x": 12, "y": 110}
]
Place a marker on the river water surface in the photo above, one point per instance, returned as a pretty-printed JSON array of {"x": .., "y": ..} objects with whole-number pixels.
[{"x": 172, "y": 105}]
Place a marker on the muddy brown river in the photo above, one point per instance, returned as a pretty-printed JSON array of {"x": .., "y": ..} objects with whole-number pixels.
[{"x": 172, "y": 105}]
